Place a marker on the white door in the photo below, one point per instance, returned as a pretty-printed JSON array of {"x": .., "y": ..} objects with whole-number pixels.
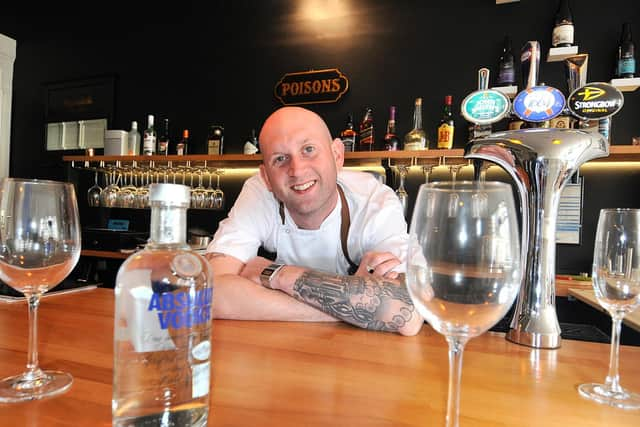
[{"x": 7, "y": 58}]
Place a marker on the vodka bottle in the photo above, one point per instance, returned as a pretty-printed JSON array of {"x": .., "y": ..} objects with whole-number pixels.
[
  {"x": 162, "y": 344},
  {"x": 134, "y": 139}
]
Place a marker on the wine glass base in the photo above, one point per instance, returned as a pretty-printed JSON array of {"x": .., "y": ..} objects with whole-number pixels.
[
  {"x": 20, "y": 388},
  {"x": 601, "y": 394}
]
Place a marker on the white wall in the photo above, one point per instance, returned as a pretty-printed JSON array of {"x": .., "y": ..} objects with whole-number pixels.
[{"x": 7, "y": 57}]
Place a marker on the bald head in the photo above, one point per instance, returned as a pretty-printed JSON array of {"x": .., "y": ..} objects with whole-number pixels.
[{"x": 287, "y": 121}]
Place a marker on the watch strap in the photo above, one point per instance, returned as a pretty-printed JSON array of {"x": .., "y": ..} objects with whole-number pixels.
[{"x": 267, "y": 274}]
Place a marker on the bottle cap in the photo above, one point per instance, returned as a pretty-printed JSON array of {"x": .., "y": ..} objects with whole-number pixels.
[
  {"x": 134, "y": 125},
  {"x": 447, "y": 99},
  {"x": 173, "y": 194}
]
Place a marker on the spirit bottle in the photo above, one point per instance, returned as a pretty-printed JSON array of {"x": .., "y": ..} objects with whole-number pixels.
[
  {"x": 563, "y": 29},
  {"x": 182, "y": 147},
  {"x": 163, "y": 141},
  {"x": 348, "y": 135},
  {"x": 162, "y": 330},
  {"x": 416, "y": 139},
  {"x": 391, "y": 140},
  {"x": 215, "y": 139},
  {"x": 367, "y": 131},
  {"x": 506, "y": 75},
  {"x": 251, "y": 144},
  {"x": 446, "y": 127},
  {"x": 626, "y": 64},
  {"x": 134, "y": 139},
  {"x": 149, "y": 141}
]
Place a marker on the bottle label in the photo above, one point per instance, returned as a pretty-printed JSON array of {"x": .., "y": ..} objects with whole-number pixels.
[
  {"x": 626, "y": 66},
  {"x": 200, "y": 382},
  {"x": 506, "y": 75},
  {"x": 180, "y": 150},
  {"x": 445, "y": 136},
  {"x": 162, "y": 147},
  {"x": 349, "y": 143},
  {"x": 366, "y": 136},
  {"x": 213, "y": 146},
  {"x": 562, "y": 34},
  {"x": 149, "y": 145},
  {"x": 179, "y": 310}
]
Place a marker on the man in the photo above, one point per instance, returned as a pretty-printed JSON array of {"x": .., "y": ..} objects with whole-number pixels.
[{"x": 317, "y": 218}]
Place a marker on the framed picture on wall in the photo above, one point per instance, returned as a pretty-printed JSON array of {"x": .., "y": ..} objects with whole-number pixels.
[{"x": 84, "y": 99}]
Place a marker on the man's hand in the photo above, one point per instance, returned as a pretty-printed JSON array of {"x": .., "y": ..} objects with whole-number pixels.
[
  {"x": 378, "y": 263},
  {"x": 253, "y": 268}
]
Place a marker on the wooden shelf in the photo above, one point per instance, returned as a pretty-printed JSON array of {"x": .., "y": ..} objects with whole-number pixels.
[
  {"x": 104, "y": 254},
  {"x": 618, "y": 153},
  {"x": 622, "y": 153}
]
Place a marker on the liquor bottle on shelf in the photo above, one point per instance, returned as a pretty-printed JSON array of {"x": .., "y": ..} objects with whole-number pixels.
[
  {"x": 163, "y": 141},
  {"x": 251, "y": 144},
  {"x": 391, "y": 140},
  {"x": 215, "y": 140},
  {"x": 182, "y": 147},
  {"x": 506, "y": 75},
  {"x": 416, "y": 138},
  {"x": 626, "y": 64},
  {"x": 563, "y": 29},
  {"x": 367, "y": 131},
  {"x": 348, "y": 135},
  {"x": 163, "y": 311},
  {"x": 149, "y": 141},
  {"x": 479, "y": 131},
  {"x": 134, "y": 140},
  {"x": 446, "y": 127}
]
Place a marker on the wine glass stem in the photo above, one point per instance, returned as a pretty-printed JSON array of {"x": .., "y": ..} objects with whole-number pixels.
[
  {"x": 456, "y": 348},
  {"x": 32, "y": 362},
  {"x": 613, "y": 377}
]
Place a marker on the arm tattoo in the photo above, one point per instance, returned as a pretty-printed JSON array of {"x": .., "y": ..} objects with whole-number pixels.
[{"x": 370, "y": 303}]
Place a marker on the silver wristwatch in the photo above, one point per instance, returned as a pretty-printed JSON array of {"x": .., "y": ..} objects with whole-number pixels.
[{"x": 268, "y": 273}]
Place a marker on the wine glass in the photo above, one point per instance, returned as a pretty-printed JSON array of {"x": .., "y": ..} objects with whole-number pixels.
[
  {"x": 616, "y": 282},
  {"x": 39, "y": 247},
  {"x": 93, "y": 193},
  {"x": 463, "y": 264},
  {"x": 401, "y": 192}
]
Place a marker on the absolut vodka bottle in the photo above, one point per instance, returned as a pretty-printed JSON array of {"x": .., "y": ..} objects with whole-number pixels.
[{"x": 162, "y": 333}]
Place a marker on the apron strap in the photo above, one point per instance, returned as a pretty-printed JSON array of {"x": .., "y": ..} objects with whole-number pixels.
[{"x": 344, "y": 227}]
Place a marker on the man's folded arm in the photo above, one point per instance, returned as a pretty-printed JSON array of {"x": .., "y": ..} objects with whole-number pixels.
[
  {"x": 239, "y": 298},
  {"x": 371, "y": 302}
]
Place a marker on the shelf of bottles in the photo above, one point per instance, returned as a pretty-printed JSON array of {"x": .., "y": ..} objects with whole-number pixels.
[{"x": 618, "y": 153}]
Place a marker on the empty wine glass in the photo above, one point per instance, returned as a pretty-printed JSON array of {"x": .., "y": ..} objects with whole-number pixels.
[
  {"x": 39, "y": 247},
  {"x": 109, "y": 195},
  {"x": 219, "y": 194},
  {"x": 463, "y": 264},
  {"x": 93, "y": 193},
  {"x": 616, "y": 282},
  {"x": 401, "y": 192},
  {"x": 426, "y": 171}
]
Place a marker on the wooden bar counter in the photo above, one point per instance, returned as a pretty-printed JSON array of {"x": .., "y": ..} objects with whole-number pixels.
[{"x": 316, "y": 374}]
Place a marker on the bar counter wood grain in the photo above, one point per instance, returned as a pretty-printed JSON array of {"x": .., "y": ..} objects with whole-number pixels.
[{"x": 320, "y": 374}]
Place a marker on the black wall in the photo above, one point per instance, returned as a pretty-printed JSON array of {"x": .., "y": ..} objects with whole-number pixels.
[{"x": 199, "y": 63}]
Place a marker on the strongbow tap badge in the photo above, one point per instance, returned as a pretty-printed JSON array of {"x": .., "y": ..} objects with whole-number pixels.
[{"x": 595, "y": 101}]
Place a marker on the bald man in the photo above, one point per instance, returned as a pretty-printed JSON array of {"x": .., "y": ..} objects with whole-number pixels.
[{"x": 339, "y": 236}]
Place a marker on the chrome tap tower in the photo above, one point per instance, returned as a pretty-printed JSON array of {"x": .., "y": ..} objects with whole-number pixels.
[{"x": 541, "y": 162}]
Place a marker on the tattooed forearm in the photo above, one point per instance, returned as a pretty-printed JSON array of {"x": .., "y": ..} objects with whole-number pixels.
[{"x": 371, "y": 302}]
